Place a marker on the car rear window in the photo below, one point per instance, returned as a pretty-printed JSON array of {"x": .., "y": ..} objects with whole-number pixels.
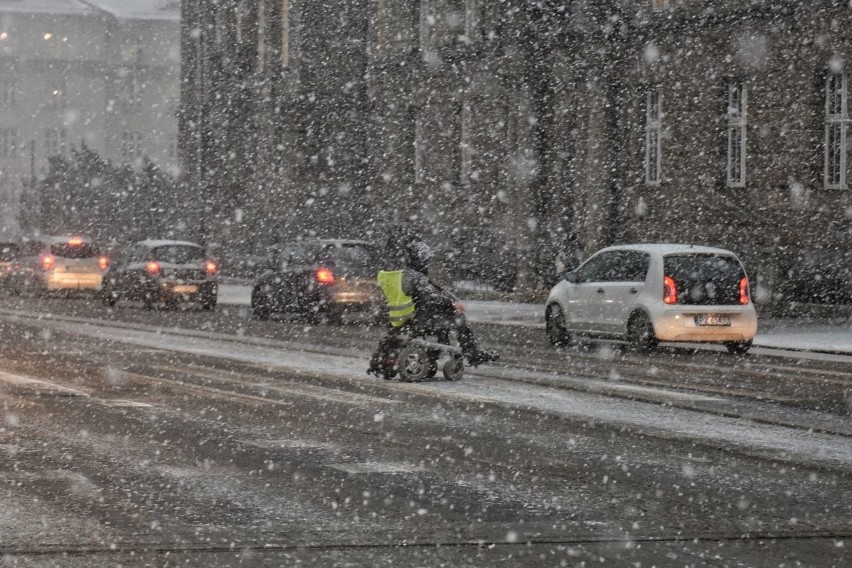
[
  {"x": 705, "y": 279},
  {"x": 74, "y": 251},
  {"x": 352, "y": 260},
  {"x": 179, "y": 254},
  {"x": 8, "y": 252}
]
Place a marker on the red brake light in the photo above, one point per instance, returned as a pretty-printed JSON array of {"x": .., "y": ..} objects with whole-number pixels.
[
  {"x": 669, "y": 290},
  {"x": 324, "y": 276},
  {"x": 211, "y": 266},
  {"x": 744, "y": 295},
  {"x": 47, "y": 262},
  {"x": 103, "y": 262},
  {"x": 153, "y": 268}
]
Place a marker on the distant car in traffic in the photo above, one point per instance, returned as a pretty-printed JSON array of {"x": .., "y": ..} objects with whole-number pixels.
[
  {"x": 319, "y": 279},
  {"x": 162, "y": 271},
  {"x": 647, "y": 293},
  {"x": 57, "y": 263},
  {"x": 8, "y": 254}
]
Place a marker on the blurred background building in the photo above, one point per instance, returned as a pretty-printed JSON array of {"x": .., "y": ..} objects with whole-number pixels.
[{"x": 104, "y": 73}]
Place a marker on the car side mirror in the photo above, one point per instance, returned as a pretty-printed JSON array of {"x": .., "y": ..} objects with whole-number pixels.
[{"x": 572, "y": 277}]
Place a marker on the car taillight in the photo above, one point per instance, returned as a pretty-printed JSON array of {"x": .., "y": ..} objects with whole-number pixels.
[
  {"x": 211, "y": 267},
  {"x": 48, "y": 262},
  {"x": 669, "y": 290},
  {"x": 324, "y": 276},
  {"x": 744, "y": 295},
  {"x": 153, "y": 268},
  {"x": 103, "y": 262}
]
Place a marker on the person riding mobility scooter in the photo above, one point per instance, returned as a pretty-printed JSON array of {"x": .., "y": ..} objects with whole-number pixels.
[{"x": 424, "y": 320}]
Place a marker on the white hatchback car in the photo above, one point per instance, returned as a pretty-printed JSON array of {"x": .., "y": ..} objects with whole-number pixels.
[{"x": 647, "y": 293}]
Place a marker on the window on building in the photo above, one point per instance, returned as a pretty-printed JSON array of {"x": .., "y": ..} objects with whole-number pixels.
[
  {"x": 8, "y": 142},
  {"x": 131, "y": 54},
  {"x": 470, "y": 20},
  {"x": 426, "y": 22},
  {"x": 445, "y": 22},
  {"x": 465, "y": 148},
  {"x": 397, "y": 25},
  {"x": 285, "y": 33},
  {"x": 239, "y": 22},
  {"x": 8, "y": 92},
  {"x": 130, "y": 94},
  {"x": 131, "y": 146},
  {"x": 54, "y": 141},
  {"x": 653, "y": 135},
  {"x": 736, "y": 168},
  {"x": 836, "y": 119},
  {"x": 261, "y": 34},
  {"x": 56, "y": 93},
  {"x": 419, "y": 146}
]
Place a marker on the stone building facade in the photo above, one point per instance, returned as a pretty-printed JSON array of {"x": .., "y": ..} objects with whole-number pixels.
[
  {"x": 517, "y": 130},
  {"x": 74, "y": 72}
]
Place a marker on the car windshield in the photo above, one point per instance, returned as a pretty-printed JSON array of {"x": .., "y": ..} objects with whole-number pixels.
[
  {"x": 74, "y": 251},
  {"x": 8, "y": 252},
  {"x": 705, "y": 279},
  {"x": 179, "y": 254}
]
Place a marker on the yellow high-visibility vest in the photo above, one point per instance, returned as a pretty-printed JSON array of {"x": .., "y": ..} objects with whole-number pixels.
[{"x": 400, "y": 306}]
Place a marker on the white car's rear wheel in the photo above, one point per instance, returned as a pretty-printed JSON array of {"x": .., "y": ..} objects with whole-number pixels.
[
  {"x": 555, "y": 326},
  {"x": 640, "y": 332},
  {"x": 738, "y": 347}
]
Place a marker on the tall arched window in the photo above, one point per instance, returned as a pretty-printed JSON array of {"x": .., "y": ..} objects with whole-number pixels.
[
  {"x": 836, "y": 119},
  {"x": 736, "y": 165},
  {"x": 653, "y": 135}
]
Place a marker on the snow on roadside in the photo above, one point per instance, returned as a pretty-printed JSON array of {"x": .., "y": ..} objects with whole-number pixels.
[{"x": 800, "y": 338}]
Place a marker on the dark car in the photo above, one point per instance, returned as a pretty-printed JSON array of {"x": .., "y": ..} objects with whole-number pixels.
[
  {"x": 8, "y": 254},
  {"x": 320, "y": 279},
  {"x": 162, "y": 271},
  {"x": 65, "y": 264}
]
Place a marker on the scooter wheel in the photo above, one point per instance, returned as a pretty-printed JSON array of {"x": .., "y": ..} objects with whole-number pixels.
[
  {"x": 453, "y": 369},
  {"x": 414, "y": 363}
]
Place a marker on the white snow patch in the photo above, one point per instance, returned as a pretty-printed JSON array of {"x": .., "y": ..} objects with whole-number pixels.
[
  {"x": 39, "y": 385},
  {"x": 376, "y": 467}
]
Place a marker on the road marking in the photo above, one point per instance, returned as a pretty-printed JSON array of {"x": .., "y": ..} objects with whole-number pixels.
[
  {"x": 208, "y": 390},
  {"x": 376, "y": 467},
  {"x": 282, "y": 444},
  {"x": 40, "y": 385},
  {"x": 122, "y": 403},
  {"x": 283, "y": 387}
]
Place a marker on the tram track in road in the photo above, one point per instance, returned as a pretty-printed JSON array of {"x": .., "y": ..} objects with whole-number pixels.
[
  {"x": 267, "y": 543},
  {"x": 515, "y": 372},
  {"x": 590, "y": 371}
]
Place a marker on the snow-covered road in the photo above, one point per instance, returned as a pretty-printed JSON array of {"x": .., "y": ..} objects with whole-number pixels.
[{"x": 656, "y": 413}]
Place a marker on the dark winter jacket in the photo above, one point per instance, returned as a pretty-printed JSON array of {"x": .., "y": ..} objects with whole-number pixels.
[{"x": 428, "y": 300}]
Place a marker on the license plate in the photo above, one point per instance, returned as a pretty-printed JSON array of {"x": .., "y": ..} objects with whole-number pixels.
[
  {"x": 185, "y": 289},
  {"x": 712, "y": 319}
]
